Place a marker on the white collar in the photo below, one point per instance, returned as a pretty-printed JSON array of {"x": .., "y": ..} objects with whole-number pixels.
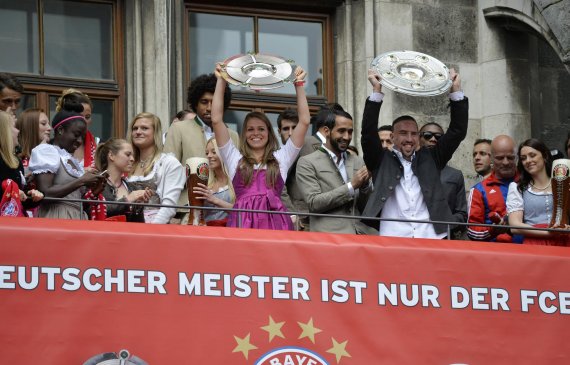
[{"x": 333, "y": 155}]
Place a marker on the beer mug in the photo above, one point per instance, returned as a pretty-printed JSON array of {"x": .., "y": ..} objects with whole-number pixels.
[
  {"x": 560, "y": 181},
  {"x": 197, "y": 171}
]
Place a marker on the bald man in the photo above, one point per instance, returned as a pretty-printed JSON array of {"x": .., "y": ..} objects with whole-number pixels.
[{"x": 487, "y": 198}]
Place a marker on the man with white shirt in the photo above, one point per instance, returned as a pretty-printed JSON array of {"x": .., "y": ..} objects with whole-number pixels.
[
  {"x": 333, "y": 181},
  {"x": 187, "y": 138},
  {"x": 406, "y": 180}
]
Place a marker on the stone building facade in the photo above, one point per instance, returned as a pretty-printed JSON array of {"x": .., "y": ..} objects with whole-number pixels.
[{"x": 513, "y": 57}]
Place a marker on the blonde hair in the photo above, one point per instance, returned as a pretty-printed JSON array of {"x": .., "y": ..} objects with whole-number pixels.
[
  {"x": 72, "y": 95},
  {"x": 7, "y": 141},
  {"x": 212, "y": 178},
  {"x": 248, "y": 162},
  {"x": 157, "y": 127}
]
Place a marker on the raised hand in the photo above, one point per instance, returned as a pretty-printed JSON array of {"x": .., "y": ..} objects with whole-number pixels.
[
  {"x": 375, "y": 80},
  {"x": 455, "y": 79},
  {"x": 300, "y": 74}
]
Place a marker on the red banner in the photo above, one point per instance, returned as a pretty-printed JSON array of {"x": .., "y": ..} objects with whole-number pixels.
[{"x": 201, "y": 295}]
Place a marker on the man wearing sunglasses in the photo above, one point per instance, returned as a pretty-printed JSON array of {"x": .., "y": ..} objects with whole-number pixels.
[
  {"x": 452, "y": 180},
  {"x": 406, "y": 180}
]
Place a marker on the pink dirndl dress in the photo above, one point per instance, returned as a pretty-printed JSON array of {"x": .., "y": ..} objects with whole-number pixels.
[{"x": 258, "y": 196}]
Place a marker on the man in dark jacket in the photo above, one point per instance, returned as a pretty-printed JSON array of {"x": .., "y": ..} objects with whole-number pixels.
[{"x": 407, "y": 179}]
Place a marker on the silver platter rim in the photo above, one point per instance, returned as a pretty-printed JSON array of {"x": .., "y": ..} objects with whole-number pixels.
[
  {"x": 432, "y": 73},
  {"x": 266, "y": 71}
]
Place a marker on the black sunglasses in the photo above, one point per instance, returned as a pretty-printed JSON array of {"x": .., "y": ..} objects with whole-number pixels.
[{"x": 430, "y": 135}]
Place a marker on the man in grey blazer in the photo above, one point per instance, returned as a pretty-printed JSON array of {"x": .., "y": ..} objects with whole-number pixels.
[
  {"x": 334, "y": 181},
  {"x": 407, "y": 179}
]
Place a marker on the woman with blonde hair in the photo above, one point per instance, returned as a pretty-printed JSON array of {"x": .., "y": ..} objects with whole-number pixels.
[
  {"x": 220, "y": 191},
  {"x": 85, "y": 153},
  {"x": 153, "y": 169},
  {"x": 35, "y": 128},
  {"x": 12, "y": 181},
  {"x": 258, "y": 170}
]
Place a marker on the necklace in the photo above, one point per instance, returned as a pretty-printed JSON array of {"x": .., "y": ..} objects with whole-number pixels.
[
  {"x": 116, "y": 186},
  {"x": 540, "y": 189},
  {"x": 142, "y": 163}
]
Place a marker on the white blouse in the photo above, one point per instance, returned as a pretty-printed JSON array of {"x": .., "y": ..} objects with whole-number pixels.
[
  {"x": 285, "y": 157},
  {"x": 170, "y": 178},
  {"x": 47, "y": 158}
]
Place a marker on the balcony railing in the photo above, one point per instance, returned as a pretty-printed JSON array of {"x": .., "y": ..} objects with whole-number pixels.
[{"x": 450, "y": 225}]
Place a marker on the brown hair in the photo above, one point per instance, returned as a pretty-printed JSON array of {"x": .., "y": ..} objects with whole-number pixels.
[
  {"x": 113, "y": 146},
  {"x": 29, "y": 125},
  {"x": 247, "y": 162}
]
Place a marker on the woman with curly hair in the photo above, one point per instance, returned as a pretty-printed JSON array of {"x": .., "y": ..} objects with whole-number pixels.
[
  {"x": 258, "y": 170},
  {"x": 529, "y": 202},
  {"x": 85, "y": 153},
  {"x": 57, "y": 173}
]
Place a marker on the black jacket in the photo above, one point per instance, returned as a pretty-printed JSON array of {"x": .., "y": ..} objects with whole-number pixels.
[{"x": 428, "y": 162}]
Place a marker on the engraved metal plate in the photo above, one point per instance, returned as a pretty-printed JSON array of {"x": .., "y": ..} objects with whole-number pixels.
[
  {"x": 412, "y": 73},
  {"x": 258, "y": 71}
]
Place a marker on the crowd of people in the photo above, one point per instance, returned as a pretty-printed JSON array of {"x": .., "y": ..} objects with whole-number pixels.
[{"x": 403, "y": 176}]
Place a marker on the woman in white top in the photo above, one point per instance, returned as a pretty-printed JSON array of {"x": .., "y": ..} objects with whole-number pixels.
[
  {"x": 529, "y": 202},
  {"x": 258, "y": 170},
  {"x": 153, "y": 169},
  {"x": 57, "y": 173}
]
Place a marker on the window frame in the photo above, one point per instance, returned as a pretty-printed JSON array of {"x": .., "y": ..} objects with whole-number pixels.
[
  {"x": 259, "y": 101},
  {"x": 102, "y": 89}
]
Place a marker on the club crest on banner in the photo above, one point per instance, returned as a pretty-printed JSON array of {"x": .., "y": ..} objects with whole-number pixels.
[{"x": 306, "y": 348}]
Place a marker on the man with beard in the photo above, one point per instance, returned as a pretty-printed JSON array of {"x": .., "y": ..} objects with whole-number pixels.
[
  {"x": 406, "y": 180},
  {"x": 187, "y": 138},
  {"x": 334, "y": 181}
]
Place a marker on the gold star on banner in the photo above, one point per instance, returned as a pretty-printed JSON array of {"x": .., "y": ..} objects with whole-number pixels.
[
  {"x": 244, "y": 345},
  {"x": 309, "y": 330},
  {"x": 274, "y": 329},
  {"x": 339, "y": 350}
]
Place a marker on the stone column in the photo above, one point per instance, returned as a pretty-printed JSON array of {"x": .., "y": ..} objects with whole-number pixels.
[
  {"x": 505, "y": 79},
  {"x": 153, "y": 57}
]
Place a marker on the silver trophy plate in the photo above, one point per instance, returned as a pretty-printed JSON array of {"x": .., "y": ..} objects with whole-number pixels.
[
  {"x": 412, "y": 73},
  {"x": 258, "y": 71}
]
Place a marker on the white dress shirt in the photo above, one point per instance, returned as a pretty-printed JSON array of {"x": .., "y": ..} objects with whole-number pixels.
[
  {"x": 407, "y": 202},
  {"x": 340, "y": 165}
]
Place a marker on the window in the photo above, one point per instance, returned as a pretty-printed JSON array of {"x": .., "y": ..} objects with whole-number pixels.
[
  {"x": 58, "y": 44},
  {"x": 216, "y": 33}
]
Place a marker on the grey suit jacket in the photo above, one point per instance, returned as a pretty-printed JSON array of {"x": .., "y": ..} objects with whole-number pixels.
[
  {"x": 292, "y": 195},
  {"x": 324, "y": 191}
]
